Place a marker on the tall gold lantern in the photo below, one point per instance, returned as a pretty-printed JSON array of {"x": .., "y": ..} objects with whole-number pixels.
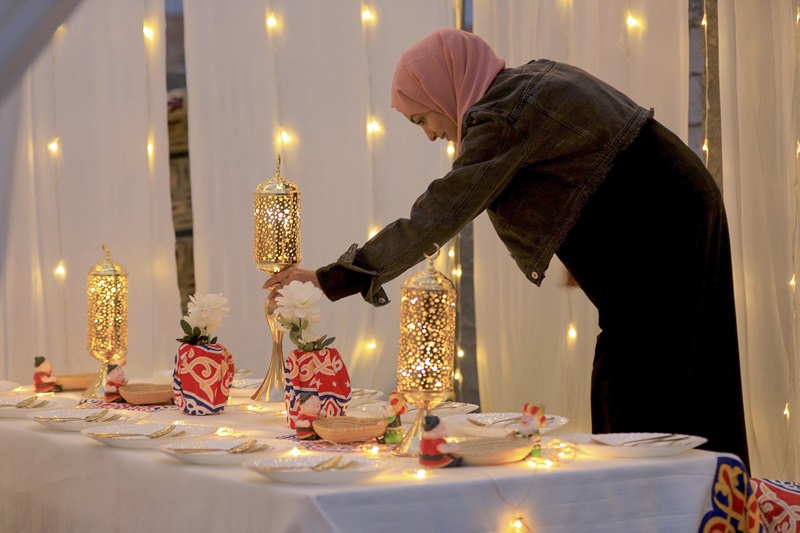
[
  {"x": 426, "y": 355},
  {"x": 276, "y": 246},
  {"x": 106, "y": 318}
]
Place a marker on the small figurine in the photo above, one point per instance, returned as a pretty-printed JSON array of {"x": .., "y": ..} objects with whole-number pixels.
[
  {"x": 310, "y": 406},
  {"x": 43, "y": 378},
  {"x": 393, "y": 408},
  {"x": 530, "y": 423},
  {"x": 434, "y": 450},
  {"x": 116, "y": 379}
]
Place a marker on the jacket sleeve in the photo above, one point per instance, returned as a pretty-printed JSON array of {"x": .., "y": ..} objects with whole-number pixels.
[{"x": 492, "y": 152}]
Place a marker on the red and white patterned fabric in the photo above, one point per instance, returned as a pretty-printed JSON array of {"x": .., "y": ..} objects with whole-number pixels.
[
  {"x": 779, "y": 504},
  {"x": 321, "y": 372},
  {"x": 202, "y": 378}
]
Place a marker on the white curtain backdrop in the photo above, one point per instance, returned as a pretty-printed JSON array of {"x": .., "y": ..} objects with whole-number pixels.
[
  {"x": 760, "y": 98},
  {"x": 321, "y": 74},
  {"x": 525, "y": 350},
  {"x": 98, "y": 89}
]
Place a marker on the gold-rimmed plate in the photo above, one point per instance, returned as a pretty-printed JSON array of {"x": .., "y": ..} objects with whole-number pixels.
[{"x": 75, "y": 419}]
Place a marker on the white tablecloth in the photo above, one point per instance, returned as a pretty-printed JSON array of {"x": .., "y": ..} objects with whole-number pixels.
[{"x": 53, "y": 481}]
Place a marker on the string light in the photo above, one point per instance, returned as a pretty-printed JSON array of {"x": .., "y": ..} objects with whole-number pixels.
[
  {"x": 572, "y": 333},
  {"x": 372, "y": 233},
  {"x": 704, "y": 22},
  {"x": 452, "y": 253},
  {"x": 460, "y": 352},
  {"x": 518, "y": 524},
  {"x": 457, "y": 375},
  {"x": 53, "y": 146},
  {"x": 373, "y": 126},
  {"x": 148, "y": 32},
  {"x": 451, "y": 149},
  {"x": 633, "y": 22},
  {"x": 272, "y": 22},
  {"x": 60, "y": 271},
  {"x": 371, "y": 345},
  {"x": 792, "y": 281},
  {"x": 367, "y": 15}
]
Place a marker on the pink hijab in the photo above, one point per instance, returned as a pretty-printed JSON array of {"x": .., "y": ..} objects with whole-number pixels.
[{"x": 447, "y": 71}]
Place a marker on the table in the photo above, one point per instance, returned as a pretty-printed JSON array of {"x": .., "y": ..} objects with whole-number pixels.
[{"x": 55, "y": 481}]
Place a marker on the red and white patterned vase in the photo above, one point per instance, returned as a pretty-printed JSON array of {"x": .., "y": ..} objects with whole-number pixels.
[
  {"x": 202, "y": 378},
  {"x": 321, "y": 372}
]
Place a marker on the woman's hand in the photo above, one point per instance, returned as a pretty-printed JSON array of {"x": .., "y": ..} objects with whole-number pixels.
[{"x": 284, "y": 277}]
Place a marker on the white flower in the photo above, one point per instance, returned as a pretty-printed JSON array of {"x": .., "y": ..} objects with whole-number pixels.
[
  {"x": 299, "y": 300},
  {"x": 206, "y": 311}
]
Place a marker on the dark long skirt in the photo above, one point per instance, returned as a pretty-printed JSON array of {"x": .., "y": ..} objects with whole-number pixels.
[{"x": 651, "y": 250}]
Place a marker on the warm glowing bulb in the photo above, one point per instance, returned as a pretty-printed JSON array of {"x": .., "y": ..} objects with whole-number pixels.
[
  {"x": 798, "y": 148},
  {"x": 294, "y": 451},
  {"x": 373, "y": 233},
  {"x": 704, "y": 22},
  {"x": 285, "y": 137},
  {"x": 372, "y": 345},
  {"x": 460, "y": 352},
  {"x": 60, "y": 271},
  {"x": 633, "y": 22},
  {"x": 456, "y": 272},
  {"x": 792, "y": 281},
  {"x": 786, "y": 410},
  {"x": 705, "y": 146},
  {"x": 451, "y": 149},
  {"x": 150, "y": 149},
  {"x": 53, "y": 146},
  {"x": 572, "y": 333},
  {"x": 148, "y": 32},
  {"x": 451, "y": 253},
  {"x": 271, "y": 21},
  {"x": 366, "y": 15},
  {"x": 373, "y": 127},
  {"x": 421, "y": 474},
  {"x": 457, "y": 375}
]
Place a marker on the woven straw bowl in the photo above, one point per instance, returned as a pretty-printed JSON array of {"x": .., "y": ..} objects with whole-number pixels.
[
  {"x": 344, "y": 429},
  {"x": 75, "y": 381},
  {"x": 146, "y": 393},
  {"x": 493, "y": 451}
]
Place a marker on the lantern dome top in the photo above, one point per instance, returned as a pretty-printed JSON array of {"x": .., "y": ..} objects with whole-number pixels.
[{"x": 107, "y": 267}]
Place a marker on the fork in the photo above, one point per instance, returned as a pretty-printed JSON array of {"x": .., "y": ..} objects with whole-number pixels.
[
  {"x": 155, "y": 435},
  {"x": 24, "y": 403},
  {"x": 484, "y": 424},
  {"x": 91, "y": 418}
]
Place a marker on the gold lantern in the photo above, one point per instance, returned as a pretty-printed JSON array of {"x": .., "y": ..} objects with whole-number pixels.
[
  {"x": 276, "y": 246},
  {"x": 106, "y": 318},
  {"x": 426, "y": 355}
]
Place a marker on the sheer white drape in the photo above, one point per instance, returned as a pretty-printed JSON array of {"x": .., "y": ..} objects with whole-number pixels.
[
  {"x": 321, "y": 74},
  {"x": 525, "y": 350},
  {"x": 760, "y": 97},
  {"x": 98, "y": 89}
]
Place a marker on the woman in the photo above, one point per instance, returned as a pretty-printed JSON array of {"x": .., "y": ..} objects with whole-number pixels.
[{"x": 565, "y": 164}]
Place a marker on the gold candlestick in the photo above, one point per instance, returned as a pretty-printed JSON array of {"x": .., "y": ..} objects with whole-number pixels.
[
  {"x": 276, "y": 246},
  {"x": 106, "y": 318},
  {"x": 426, "y": 352}
]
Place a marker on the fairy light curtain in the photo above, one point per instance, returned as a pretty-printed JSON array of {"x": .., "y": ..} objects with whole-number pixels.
[
  {"x": 84, "y": 146},
  {"x": 311, "y": 81},
  {"x": 759, "y": 55},
  {"x": 537, "y": 344}
]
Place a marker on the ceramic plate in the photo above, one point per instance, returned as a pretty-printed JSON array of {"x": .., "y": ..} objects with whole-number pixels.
[
  {"x": 135, "y": 435},
  {"x": 500, "y": 428},
  {"x": 298, "y": 469},
  {"x": 245, "y": 387},
  {"x": 8, "y": 385},
  {"x": 621, "y": 445},
  {"x": 362, "y": 396},
  {"x": 442, "y": 411},
  {"x": 214, "y": 450},
  {"x": 53, "y": 402},
  {"x": 63, "y": 419}
]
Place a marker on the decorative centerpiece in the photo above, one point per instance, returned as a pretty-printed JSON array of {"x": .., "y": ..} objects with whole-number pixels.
[
  {"x": 426, "y": 351},
  {"x": 106, "y": 318},
  {"x": 315, "y": 372},
  {"x": 276, "y": 246},
  {"x": 204, "y": 369},
  {"x": 43, "y": 378}
]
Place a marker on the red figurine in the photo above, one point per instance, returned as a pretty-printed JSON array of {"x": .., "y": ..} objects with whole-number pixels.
[
  {"x": 43, "y": 378},
  {"x": 116, "y": 379},
  {"x": 434, "y": 450},
  {"x": 309, "y": 411}
]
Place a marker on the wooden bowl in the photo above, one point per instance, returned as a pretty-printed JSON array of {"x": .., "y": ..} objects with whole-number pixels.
[
  {"x": 146, "y": 393},
  {"x": 75, "y": 381},
  {"x": 344, "y": 429},
  {"x": 493, "y": 451}
]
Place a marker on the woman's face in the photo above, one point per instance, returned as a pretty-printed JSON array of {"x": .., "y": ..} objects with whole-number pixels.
[{"x": 435, "y": 125}]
